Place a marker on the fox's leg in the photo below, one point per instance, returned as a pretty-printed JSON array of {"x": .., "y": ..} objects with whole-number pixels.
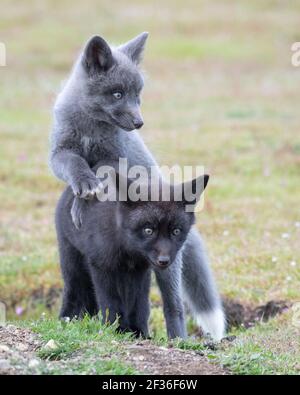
[
  {"x": 169, "y": 282},
  {"x": 70, "y": 167},
  {"x": 199, "y": 288},
  {"x": 79, "y": 205},
  {"x": 78, "y": 294},
  {"x": 108, "y": 301},
  {"x": 138, "y": 319}
]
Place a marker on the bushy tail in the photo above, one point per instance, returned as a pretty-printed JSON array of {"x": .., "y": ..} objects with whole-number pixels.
[{"x": 199, "y": 288}]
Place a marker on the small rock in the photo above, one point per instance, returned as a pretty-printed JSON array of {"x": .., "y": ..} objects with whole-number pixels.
[
  {"x": 4, "y": 364},
  {"x": 11, "y": 327},
  {"x": 163, "y": 348},
  {"x": 141, "y": 357},
  {"x": 4, "y": 348},
  {"x": 33, "y": 363},
  {"x": 51, "y": 345}
]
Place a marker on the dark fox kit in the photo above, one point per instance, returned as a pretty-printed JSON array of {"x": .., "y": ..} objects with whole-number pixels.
[
  {"x": 95, "y": 117},
  {"x": 107, "y": 263}
]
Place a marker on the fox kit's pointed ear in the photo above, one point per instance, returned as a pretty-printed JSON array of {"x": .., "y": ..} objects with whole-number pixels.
[
  {"x": 192, "y": 190},
  {"x": 97, "y": 56},
  {"x": 135, "y": 47}
]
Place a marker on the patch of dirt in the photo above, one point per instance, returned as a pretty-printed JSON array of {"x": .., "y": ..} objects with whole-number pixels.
[
  {"x": 18, "y": 346},
  {"x": 17, "y": 350},
  {"x": 151, "y": 359},
  {"x": 247, "y": 316}
]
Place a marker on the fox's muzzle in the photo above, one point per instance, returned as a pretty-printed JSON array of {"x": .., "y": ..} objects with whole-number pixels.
[
  {"x": 138, "y": 123},
  {"x": 163, "y": 261}
]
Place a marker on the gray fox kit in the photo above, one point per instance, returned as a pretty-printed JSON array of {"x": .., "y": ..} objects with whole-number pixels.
[
  {"x": 95, "y": 117},
  {"x": 107, "y": 263}
]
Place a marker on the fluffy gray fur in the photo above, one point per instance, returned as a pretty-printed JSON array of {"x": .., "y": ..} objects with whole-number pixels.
[{"x": 92, "y": 123}]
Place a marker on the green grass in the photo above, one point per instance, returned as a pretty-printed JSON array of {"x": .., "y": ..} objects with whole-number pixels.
[
  {"x": 81, "y": 347},
  {"x": 251, "y": 359},
  {"x": 220, "y": 92},
  {"x": 88, "y": 347},
  {"x": 270, "y": 348}
]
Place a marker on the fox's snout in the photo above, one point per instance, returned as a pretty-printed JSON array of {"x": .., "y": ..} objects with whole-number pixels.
[
  {"x": 129, "y": 119},
  {"x": 136, "y": 117},
  {"x": 138, "y": 123},
  {"x": 163, "y": 261},
  {"x": 163, "y": 253}
]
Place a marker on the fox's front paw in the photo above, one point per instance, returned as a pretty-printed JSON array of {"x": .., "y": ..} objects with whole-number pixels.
[{"x": 86, "y": 187}]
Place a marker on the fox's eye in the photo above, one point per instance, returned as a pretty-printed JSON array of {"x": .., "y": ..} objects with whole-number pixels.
[
  {"x": 176, "y": 231},
  {"x": 148, "y": 231},
  {"x": 117, "y": 95}
]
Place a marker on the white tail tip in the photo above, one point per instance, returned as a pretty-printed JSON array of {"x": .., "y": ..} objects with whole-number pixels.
[{"x": 212, "y": 323}]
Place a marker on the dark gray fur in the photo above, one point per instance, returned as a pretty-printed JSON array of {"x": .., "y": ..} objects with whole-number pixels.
[
  {"x": 106, "y": 264},
  {"x": 90, "y": 126}
]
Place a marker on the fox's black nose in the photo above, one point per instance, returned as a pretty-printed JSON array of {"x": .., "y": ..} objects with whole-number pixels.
[
  {"x": 138, "y": 123},
  {"x": 163, "y": 260}
]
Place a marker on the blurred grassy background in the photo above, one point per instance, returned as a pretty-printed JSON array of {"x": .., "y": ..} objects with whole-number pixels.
[{"x": 220, "y": 92}]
